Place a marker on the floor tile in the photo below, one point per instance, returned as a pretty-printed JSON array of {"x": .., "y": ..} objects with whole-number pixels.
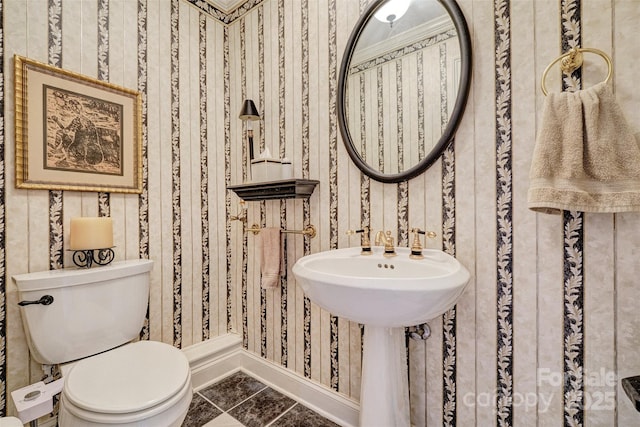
[
  {"x": 200, "y": 412},
  {"x": 263, "y": 408},
  {"x": 224, "y": 420},
  {"x": 301, "y": 416},
  {"x": 232, "y": 390},
  {"x": 247, "y": 402}
]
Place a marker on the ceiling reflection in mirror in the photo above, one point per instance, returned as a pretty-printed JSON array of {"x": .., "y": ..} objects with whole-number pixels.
[{"x": 401, "y": 86}]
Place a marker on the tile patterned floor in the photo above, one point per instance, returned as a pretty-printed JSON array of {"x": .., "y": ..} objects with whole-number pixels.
[{"x": 242, "y": 401}]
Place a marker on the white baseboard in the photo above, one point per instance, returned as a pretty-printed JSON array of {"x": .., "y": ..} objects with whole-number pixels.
[
  {"x": 213, "y": 359},
  {"x": 218, "y": 357}
]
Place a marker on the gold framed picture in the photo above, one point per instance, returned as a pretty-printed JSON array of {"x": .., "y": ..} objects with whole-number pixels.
[{"x": 74, "y": 132}]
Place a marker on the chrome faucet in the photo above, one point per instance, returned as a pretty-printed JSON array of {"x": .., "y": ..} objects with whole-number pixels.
[{"x": 386, "y": 239}]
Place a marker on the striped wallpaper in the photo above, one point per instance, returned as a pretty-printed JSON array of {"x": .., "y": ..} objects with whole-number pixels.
[
  {"x": 3, "y": 231},
  {"x": 574, "y": 280},
  {"x": 504, "y": 214},
  {"x": 548, "y": 325}
]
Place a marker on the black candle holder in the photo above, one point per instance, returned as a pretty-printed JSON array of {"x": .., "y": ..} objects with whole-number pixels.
[{"x": 87, "y": 257}]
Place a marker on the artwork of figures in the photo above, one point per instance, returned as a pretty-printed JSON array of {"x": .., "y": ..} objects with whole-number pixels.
[
  {"x": 83, "y": 134},
  {"x": 74, "y": 132}
]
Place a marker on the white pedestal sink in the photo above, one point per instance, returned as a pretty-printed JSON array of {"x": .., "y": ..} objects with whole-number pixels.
[{"x": 384, "y": 294}]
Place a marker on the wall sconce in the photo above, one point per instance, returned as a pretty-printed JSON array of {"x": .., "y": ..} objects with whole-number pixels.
[{"x": 249, "y": 113}]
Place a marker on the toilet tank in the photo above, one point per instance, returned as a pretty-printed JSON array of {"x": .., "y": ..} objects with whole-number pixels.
[{"x": 93, "y": 309}]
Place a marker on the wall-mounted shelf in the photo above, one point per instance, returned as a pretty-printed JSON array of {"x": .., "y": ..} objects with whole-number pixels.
[{"x": 282, "y": 189}]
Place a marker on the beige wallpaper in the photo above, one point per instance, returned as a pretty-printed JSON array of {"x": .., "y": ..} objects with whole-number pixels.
[{"x": 516, "y": 332}]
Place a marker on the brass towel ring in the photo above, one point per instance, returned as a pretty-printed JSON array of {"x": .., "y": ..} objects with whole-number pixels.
[{"x": 572, "y": 60}]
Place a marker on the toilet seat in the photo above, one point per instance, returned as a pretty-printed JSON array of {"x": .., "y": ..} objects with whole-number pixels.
[
  {"x": 127, "y": 384},
  {"x": 169, "y": 413}
]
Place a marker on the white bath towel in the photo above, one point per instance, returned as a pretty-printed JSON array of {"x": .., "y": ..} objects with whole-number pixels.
[
  {"x": 270, "y": 257},
  {"x": 586, "y": 157}
]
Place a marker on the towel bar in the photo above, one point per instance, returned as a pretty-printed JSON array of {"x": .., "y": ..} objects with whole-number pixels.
[
  {"x": 309, "y": 230},
  {"x": 572, "y": 60}
]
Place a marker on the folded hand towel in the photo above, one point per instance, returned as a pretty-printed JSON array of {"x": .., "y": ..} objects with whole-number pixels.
[
  {"x": 586, "y": 157},
  {"x": 270, "y": 258}
]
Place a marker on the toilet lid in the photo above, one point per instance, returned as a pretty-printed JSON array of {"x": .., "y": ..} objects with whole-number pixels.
[{"x": 129, "y": 378}]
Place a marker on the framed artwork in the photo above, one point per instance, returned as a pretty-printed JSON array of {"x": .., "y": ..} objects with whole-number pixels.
[{"x": 74, "y": 132}]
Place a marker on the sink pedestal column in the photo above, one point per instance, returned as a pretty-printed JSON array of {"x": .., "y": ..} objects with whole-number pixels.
[{"x": 384, "y": 395}]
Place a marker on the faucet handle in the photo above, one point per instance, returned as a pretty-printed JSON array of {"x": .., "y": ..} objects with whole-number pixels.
[
  {"x": 366, "y": 243},
  {"x": 389, "y": 249},
  {"x": 389, "y": 238},
  {"x": 416, "y": 246}
]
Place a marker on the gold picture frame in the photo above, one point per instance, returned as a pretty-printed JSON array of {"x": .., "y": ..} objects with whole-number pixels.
[{"x": 74, "y": 132}]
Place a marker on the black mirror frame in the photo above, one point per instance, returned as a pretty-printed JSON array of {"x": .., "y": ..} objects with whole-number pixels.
[{"x": 460, "y": 24}]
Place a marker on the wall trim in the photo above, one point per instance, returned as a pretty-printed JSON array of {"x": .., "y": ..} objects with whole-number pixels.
[
  {"x": 216, "y": 358},
  {"x": 225, "y": 16}
]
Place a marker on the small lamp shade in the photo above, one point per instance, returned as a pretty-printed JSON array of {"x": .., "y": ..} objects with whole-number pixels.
[
  {"x": 90, "y": 233},
  {"x": 249, "y": 111}
]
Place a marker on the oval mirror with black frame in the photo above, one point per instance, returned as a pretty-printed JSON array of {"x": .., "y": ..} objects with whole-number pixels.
[{"x": 403, "y": 86}]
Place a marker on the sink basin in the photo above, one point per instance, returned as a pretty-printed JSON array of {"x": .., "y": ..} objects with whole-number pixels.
[
  {"x": 384, "y": 294},
  {"x": 374, "y": 290}
]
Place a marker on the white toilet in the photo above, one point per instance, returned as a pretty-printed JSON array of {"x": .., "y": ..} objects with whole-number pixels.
[
  {"x": 10, "y": 422},
  {"x": 94, "y": 312}
]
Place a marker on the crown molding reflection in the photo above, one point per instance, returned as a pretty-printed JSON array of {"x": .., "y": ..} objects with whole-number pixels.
[
  {"x": 225, "y": 11},
  {"x": 226, "y": 5}
]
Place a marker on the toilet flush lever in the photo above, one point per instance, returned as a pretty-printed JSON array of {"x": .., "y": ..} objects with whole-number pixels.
[{"x": 45, "y": 300}]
